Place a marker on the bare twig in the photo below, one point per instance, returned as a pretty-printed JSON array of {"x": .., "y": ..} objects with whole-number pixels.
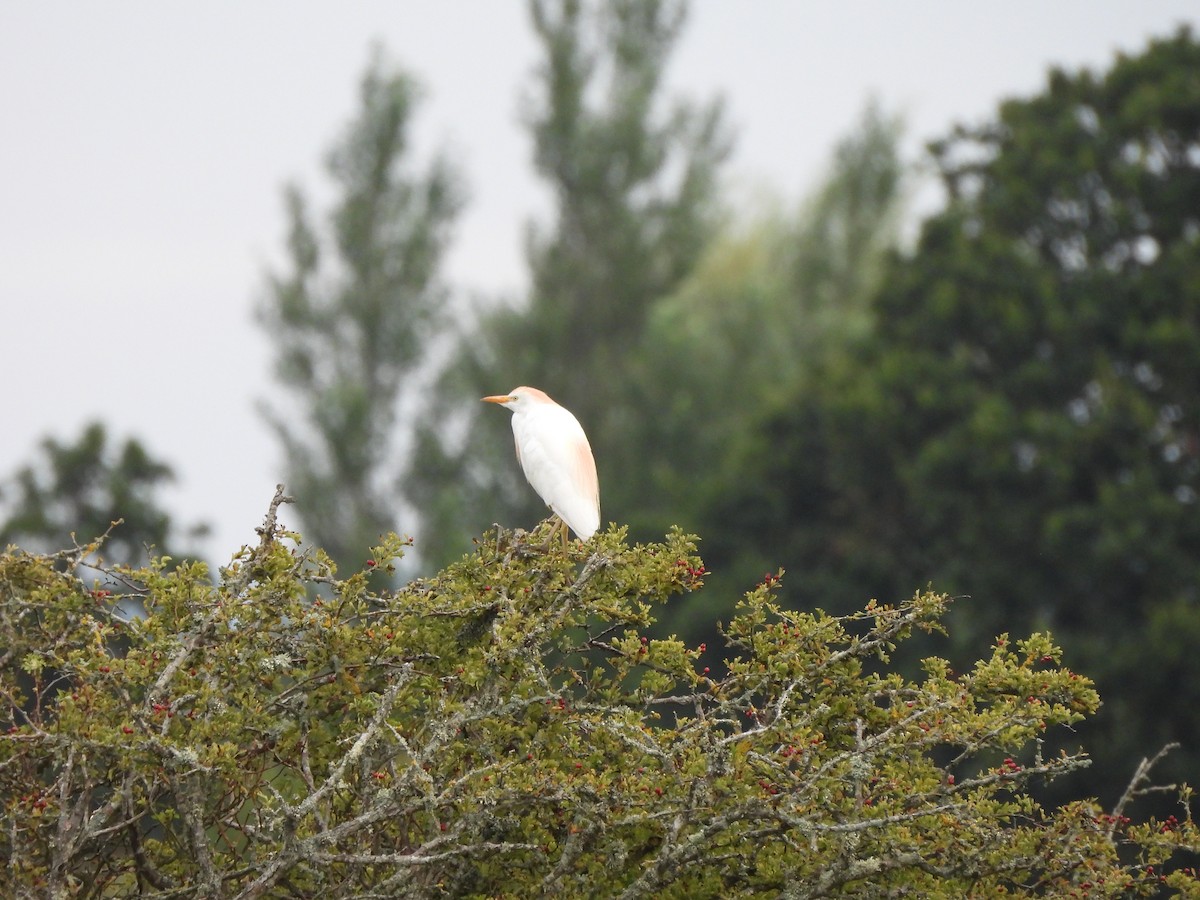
[{"x": 1136, "y": 789}]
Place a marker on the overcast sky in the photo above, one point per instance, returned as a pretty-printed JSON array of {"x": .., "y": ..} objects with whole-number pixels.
[{"x": 143, "y": 147}]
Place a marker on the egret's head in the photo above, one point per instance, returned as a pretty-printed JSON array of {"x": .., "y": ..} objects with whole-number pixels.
[{"x": 519, "y": 398}]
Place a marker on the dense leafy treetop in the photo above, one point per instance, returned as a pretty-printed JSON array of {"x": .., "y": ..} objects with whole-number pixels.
[{"x": 506, "y": 728}]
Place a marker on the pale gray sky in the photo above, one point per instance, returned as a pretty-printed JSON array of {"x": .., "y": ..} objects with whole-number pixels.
[{"x": 143, "y": 146}]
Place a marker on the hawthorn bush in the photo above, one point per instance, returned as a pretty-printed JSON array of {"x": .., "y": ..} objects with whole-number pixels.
[{"x": 506, "y": 728}]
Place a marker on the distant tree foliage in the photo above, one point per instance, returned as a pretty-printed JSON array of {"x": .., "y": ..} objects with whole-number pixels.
[
  {"x": 633, "y": 176},
  {"x": 82, "y": 488},
  {"x": 773, "y": 300},
  {"x": 352, "y": 315},
  {"x": 507, "y": 728},
  {"x": 1023, "y": 423}
]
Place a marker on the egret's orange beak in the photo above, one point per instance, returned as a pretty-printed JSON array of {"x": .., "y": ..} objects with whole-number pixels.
[{"x": 498, "y": 398}]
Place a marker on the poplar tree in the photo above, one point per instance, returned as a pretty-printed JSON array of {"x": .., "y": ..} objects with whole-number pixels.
[
  {"x": 633, "y": 176},
  {"x": 351, "y": 314}
]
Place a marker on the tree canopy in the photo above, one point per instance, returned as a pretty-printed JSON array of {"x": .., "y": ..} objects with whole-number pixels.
[
  {"x": 88, "y": 488},
  {"x": 506, "y": 727},
  {"x": 1021, "y": 424}
]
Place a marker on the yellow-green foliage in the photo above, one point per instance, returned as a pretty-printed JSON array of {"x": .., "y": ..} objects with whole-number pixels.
[{"x": 507, "y": 728}]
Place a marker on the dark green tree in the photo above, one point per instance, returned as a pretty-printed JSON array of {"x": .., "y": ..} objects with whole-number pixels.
[
  {"x": 351, "y": 317},
  {"x": 1023, "y": 424},
  {"x": 81, "y": 489},
  {"x": 633, "y": 177}
]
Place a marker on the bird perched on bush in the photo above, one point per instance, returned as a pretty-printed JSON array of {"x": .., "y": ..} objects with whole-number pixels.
[{"x": 555, "y": 456}]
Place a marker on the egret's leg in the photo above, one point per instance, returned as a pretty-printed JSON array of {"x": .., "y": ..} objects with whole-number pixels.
[{"x": 558, "y": 530}]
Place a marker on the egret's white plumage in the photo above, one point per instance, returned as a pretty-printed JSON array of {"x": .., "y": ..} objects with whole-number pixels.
[{"x": 555, "y": 456}]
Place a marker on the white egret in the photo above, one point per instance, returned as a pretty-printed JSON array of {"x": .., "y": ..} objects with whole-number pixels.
[{"x": 555, "y": 456}]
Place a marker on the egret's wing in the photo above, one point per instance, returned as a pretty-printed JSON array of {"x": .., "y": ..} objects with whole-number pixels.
[
  {"x": 579, "y": 505},
  {"x": 558, "y": 463}
]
